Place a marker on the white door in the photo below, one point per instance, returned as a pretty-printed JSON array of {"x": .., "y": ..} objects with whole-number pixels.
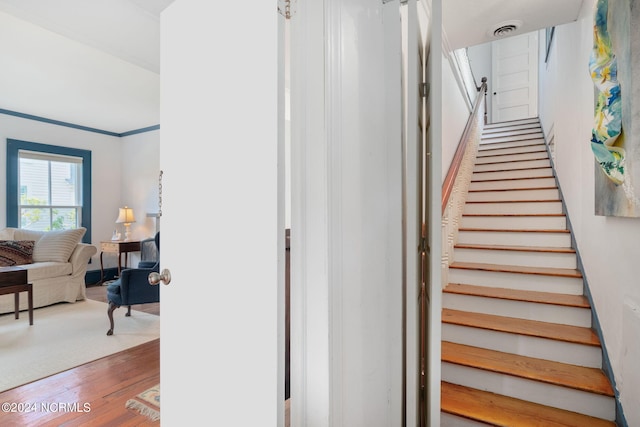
[
  {"x": 515, "y": 77},
  {"x": 218, "y": 142}
]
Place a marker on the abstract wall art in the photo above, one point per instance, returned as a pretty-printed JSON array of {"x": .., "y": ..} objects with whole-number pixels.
[{"x": 615, "y": 137}]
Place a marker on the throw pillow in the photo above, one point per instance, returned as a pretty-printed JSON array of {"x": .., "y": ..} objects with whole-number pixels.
[
  {"x": 57, "y": 246},
  {"x": 16, "y": 252},
  {"x": 7, "y": 234}
]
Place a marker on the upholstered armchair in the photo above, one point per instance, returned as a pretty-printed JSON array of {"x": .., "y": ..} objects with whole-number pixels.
[
  {"x": 148, "y": 253},
  {"x": 132, "y": 287}
]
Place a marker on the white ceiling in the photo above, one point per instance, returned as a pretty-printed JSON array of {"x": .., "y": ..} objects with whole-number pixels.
[
  {"x": 127, "y": 29},
  {"x": 92, "y": 63},
  {"x": 116, "y": 44},
  {"x": 471, "y": 22}
]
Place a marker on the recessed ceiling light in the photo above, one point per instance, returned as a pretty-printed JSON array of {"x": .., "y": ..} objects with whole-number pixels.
[{"x": 505, "y": 28}]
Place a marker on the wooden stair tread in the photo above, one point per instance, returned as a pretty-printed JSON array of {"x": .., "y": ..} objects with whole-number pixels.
[
  {"x": 498, "y": 131},
  {"x": 562, "y": 374},
  {"x": 511, "y": 179},
  {"x": 502, "y": 190},
  {"x": 514, "y": 134},
  {"x": 502, "y": 133},
  {"x": 533, "y": 328},
  {"x": 516, "y": 248},
  {"x": 511, "y": 170},
  {"x": 513, "y": 214},
  {"x": 489, "y": 143},
  {"x": 513, "y": 201},
  {"x": 568, "y": 300},
  {"x": 512, "y": 122},
  {"x": 531, "y": 127},
  {"x": 481, "y": 153},
  {"x": 506, "y": 230},
  {"x": 498, "y": 162},
  {"x": 501, "y": 410},
  {"x": 546, "y": 271},
  {"x": 534, "y": 144}
]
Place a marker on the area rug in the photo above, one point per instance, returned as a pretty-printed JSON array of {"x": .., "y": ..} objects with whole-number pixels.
[
  {"x": 147, "y": 403},
  {"x": 64, "y": 336}
]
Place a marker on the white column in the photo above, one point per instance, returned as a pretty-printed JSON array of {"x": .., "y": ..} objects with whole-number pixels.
[{"x": 346, "y": 294}]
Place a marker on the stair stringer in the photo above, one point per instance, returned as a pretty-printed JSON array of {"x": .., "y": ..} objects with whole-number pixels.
[{"x": 595, "y": 322}]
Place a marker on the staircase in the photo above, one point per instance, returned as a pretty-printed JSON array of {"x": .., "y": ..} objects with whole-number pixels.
[{"x": 517, "y": 343}]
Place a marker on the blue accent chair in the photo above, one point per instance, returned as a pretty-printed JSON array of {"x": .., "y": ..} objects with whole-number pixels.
[
  {"x": 149, "y": 254},
  {"x": 132, "y": 287}
]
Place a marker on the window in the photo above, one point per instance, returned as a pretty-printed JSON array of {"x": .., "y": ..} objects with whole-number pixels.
[{"x": 48, "y": 187}]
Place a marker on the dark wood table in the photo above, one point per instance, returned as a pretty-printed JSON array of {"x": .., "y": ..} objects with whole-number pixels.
[
  {"x": 13, "y": 280},
  {"x": 117, "y": 247}
]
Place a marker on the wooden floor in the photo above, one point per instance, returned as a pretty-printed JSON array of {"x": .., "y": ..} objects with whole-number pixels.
[{"x": 105, "y": 385}]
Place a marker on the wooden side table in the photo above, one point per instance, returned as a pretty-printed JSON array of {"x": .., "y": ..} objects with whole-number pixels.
[
  {"x": 13, "y": 280},
  {"x": 117, "y": 247}
]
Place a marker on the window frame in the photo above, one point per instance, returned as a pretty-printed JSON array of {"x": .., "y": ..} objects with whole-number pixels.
[{"x": 13, "y": 192}]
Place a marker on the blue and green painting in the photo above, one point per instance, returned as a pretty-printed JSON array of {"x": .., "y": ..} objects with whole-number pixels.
[{"x": 607, "y": 127}]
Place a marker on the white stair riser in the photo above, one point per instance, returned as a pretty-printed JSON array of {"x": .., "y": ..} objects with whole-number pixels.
[
  {"x": 519, "y": 258},
  {"x": 541, "y": 348},
  {"x": 514, "y": 222},
  {"x": 483, "y": 147},
  {"x": 518, "y": 157},
  {"x": 498, "y": 149},
  {"x": 509, "y": 166},
  {"x": 569, "y": 399},
  {"x": 512, "y": 128},
  {"x": 519, "y": 281},
  {"x": 512, "y": 184},
  {"x": 512, "y": 174},
  {"x": 450, "y": 420},
  {"x": 513, "y": 208},
  {"x": 563, "y": 315},
  {"x": 516, "y": 238},
  {"x": 511, "y": 123},
  {"x": 522, "y": 149},
  {"x": 508, "y": 195},
  {"x": 490, "y": 140}
]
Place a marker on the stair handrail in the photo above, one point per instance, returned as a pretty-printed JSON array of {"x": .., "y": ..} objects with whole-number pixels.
[
  {"x": 449, "y": 181},
  {"x": 458, "y": 179}
]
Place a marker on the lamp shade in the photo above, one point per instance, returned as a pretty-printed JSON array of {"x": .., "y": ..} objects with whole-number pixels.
[{"x": 125, "y": 216}]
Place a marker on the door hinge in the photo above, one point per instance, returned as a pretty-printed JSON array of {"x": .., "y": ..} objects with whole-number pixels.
[
  {"x": 423, "y": 245},
  {"x": 424, "y": 90},
  {"x": 284, "y": 8}
]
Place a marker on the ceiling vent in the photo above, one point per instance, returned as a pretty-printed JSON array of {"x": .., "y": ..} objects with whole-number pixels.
[{"x": 505, "y": 29}]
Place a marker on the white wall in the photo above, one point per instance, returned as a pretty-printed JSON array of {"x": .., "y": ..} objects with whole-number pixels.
[
  {"x": 480, "y": 61},
  {"x": 608, "y": 246},
  {"x": 455, "y": 114},
  {"x": 140, "y": 161}
]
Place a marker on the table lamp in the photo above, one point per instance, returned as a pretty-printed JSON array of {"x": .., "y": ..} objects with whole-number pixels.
[{"x": 125, "y": 216}]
